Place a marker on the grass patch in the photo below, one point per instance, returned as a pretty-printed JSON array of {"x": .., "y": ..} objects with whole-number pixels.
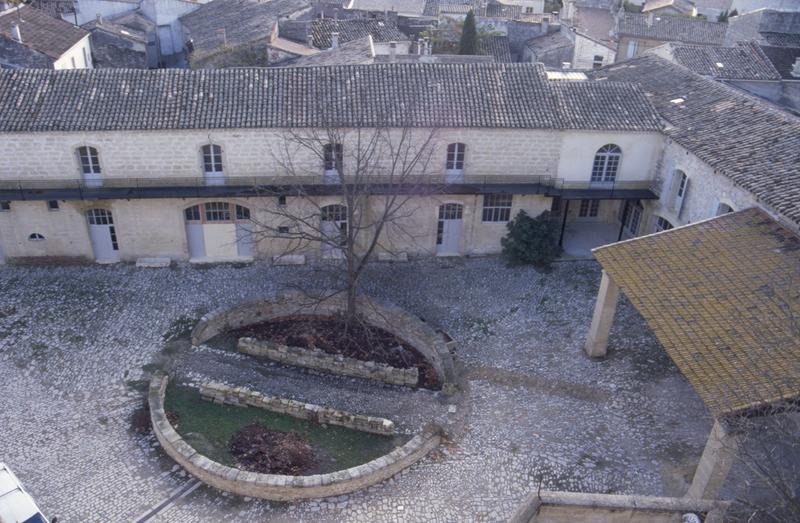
[{"x": 208, "y": 427}]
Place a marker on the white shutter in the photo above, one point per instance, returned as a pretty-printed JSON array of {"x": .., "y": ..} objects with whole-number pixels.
[
  {"x": 714, "y": 207},
  {"x": 666, "y": 189}
]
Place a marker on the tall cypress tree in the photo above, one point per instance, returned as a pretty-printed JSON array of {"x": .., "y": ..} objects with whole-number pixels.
[{"x": 469, "y": 36}]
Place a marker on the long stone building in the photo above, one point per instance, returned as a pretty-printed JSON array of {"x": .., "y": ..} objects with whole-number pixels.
[{"x": 113, "y": 165}]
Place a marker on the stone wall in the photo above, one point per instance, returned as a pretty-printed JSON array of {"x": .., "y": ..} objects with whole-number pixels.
[
  {"x": 278, "y": 487},
  {"x": 317, "y": 359},
  {"x": 220, "y": 393},
  {"x": 406, "y": 327}
]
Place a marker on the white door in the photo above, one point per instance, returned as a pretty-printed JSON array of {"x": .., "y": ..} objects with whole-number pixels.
[
  {"x": 448, "y": 230},
  {"x": 103, "y": 235}
]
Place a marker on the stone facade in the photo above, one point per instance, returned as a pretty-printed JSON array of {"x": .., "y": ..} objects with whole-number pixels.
[
  {"x": 278, "y": 487},
  {"x": 220, "y": 393},
  {"x": 412, "y": 330},
  {"x": 319, "y": 360}
]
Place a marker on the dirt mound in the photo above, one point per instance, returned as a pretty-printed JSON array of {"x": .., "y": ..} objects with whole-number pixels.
[
  {"x": 359, "y": 341},
  {"x": 258, "y": 449}
]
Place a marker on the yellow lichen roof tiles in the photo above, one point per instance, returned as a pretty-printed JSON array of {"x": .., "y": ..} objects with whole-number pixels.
[{"x": 723, "y": 298}]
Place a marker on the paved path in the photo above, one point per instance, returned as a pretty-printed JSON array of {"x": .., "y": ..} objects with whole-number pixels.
[{"x": 76, "y": 343}]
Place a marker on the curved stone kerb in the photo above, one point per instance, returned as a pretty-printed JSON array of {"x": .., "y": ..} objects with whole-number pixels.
[
  {"x": 278, "y": 487},
  {"x": 392, "y": 319}
]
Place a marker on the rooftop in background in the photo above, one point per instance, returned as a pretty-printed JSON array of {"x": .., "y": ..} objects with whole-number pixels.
[
  {"x": 723, "y": 303},
  {"x": 684, "y": 6},
  {"x": 412, "y": 8},
  {"x": 744, "y": 62},
  {"x": 766, "y": 26},
  {"x": 496, "y": 46},
  {"x": 436, "y": 58},
  {"x": 783, "y": 59},
  {"x": 41, "y": 32},
  {"x": 419, "y": 95},
  {"x": 750, "y": 141},
  {"x": 671, "y": 29},
  {"x": 350, "y": 53},
  {"x": 235, "y": 22},
  {"x": 322, "y": 30},
  {"x": 132, "y": 25}
]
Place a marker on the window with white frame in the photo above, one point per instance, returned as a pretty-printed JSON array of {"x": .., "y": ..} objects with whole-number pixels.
[
  {"x": 455, "y": 157},
  {"x": 680, "y": 186},
  {"x": 497, "y": 207},
  {"x": 597, "y": 61},
  {"x": 217, "y": 212},
  {"x": 606, "y": 163},
  {"x": 89, "y": 159},
  {"x": 662, "y": 224},
  {"x": 589, "y": 208},
  {"x": 212, "y": 159}
]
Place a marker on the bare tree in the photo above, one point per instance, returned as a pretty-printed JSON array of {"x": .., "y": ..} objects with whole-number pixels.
[{"x": 375, "y": 176}]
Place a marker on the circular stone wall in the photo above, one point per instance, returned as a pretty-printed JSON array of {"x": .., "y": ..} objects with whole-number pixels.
[
  {"x": 424, "y": 339},
  {"x": 274, "y": 486}
]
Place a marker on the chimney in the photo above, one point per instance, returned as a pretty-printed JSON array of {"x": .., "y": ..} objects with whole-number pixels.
[
  {"x": 334, "y": 40},
  {"x": 16, "y": 34},
  {"x": 310, "y": 40},
  {"x": 796, "y": 68},
  {"x": 98, "y": 18},
  {"x": 392, "y": 51}
]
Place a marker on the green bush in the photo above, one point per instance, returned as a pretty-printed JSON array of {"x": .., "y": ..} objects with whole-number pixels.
[{"x": 531, "y": 241}]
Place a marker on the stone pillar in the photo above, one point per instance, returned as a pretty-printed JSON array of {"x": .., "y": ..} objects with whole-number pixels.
[
  {"x": 715, "y": 463},
  {"x": 603, "y": 318}
]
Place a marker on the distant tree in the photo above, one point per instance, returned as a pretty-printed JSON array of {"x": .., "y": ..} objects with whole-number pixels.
[
  {"x": 723, "y": 16},
  {"x": 469, "y": 36},
  {"x": 531, "y": 241},
  {"x": 631, "y": 8}
]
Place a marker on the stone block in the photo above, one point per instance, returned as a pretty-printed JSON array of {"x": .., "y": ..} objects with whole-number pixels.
[
  {"x": 153, "y": 263},
  {"x": 289, "y": 259}
]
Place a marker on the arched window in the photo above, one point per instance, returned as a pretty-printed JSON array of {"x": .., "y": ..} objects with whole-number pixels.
[
  {"x": 217, "y": 212},
  {"x": 89, "y": 162},
  {"x": 212, "y": 164},
  {"x": 606, "y": 163},
  {"x": 455, "y": 157},
  {"x": 661, "y": 224},
  {"x": 35, "y": 237},
  {"x": 723, "y": 208}
]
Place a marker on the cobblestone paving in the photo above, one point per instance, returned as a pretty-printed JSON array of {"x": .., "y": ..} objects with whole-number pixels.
[{"x": 75, "y": 343}]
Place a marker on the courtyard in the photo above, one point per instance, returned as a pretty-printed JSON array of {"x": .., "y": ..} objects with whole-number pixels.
[{"x": 77, "y": 344}]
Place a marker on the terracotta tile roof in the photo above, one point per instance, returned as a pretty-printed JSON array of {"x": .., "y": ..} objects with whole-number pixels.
[
  {"x": 322, "y": 30},
  {"x": 723, "y": 298},
  {"x": 354, "y": 52},
  {"x": 40, "y": 31},
  {"x": 748, "y": 140},
  {"x": 744, "y": 62},
  {"x": 671, "y": 29},
  {"x": 496, "y": 46},
  {"x": 427, "y": 94}
]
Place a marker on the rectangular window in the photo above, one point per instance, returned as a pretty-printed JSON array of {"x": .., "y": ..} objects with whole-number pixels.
[
  {"x": 283, "y": 229},
  {"x": 633, "y": 46},
  {"x": 52, "y": 205},
  {"x": 455, "y": 156},
  {"x": 589, "y": 208},
  {"x": 5, "y": 206},
  {"x": 334, "y": 155},
  {"x": 496, "y": 207},
  {"x": 90, "y": 163},
  {"x": 242, "y": 213},
  {"x": 281, "y": 200},
  {"x": 85, "y": 58},
  {"x": 217, "y": 212},
  {"x": 597, "y": 62},
  {"x": 192, "y": 214}
]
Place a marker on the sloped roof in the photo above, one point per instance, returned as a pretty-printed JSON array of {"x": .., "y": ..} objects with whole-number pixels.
[
  {"x": 742, "y": 137},
  {"x": 421, "y": 94},
  {"x": 744, "y": 62},
  {"x": 596, "y": 23},
  {"x": 723, "y": 297},
  {"x": 41, "y": 32},
  {"x": 671, "y": 29},
  {"x": 322, "y": 30},
  {"x": 235, "y": 22},
  {"x": 496, "y": 46},
  {"x": 354, "y": 52},
  {"x": 401, "y": 7},
  {"x": 783, "y": 59},
  {"x": 684, "y": 6}
]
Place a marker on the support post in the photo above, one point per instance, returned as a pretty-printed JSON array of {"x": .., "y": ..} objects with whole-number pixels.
[
  {"x": 714, "y": 465},
  {"x": 604, "y": 309}
]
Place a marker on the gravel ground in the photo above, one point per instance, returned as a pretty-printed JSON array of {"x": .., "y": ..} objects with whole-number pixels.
[{"x": 76, "y": 343}]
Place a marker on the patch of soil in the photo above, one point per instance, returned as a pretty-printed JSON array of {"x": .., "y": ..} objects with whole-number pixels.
[
  {"x": 140, "y": 419},
  {"x": 258, "y": 449},
  {"x": 360, "y": 341}
]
